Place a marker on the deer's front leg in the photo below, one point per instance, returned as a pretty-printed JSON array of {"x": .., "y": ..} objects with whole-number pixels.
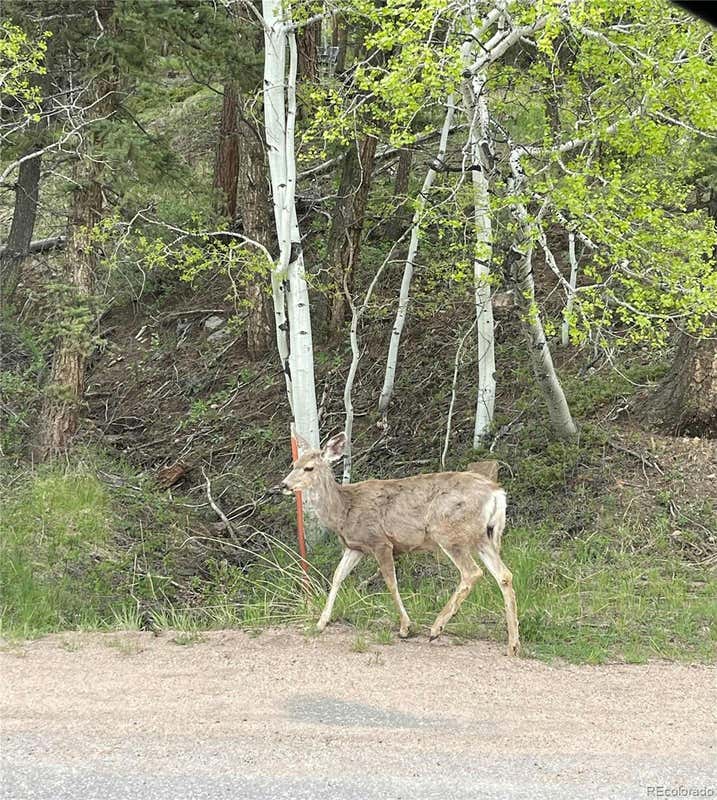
[
  {"x": 384, "y": 556},
  {"x": 348, "y": 561}
]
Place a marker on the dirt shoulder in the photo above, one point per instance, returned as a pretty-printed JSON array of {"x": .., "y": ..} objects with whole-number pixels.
[{"x": 279, "y": 711}]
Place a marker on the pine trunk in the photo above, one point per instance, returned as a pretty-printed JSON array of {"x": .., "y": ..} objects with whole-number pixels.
[
  {"x": 226, "y": 162},
  {"x": 686, "y": 400},
  {"x": 344, "y": 240},
  {"x": 403, "y": 174},
  {"x": 65, "y": 391},
  {"x": 64, "y": 394},
  {"x": 308, "y": 42},
  {"x": 400, "y": 218},
  {"x": 22, "y": 227}
]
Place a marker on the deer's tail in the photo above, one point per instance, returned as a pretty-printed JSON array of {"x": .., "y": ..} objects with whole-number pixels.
[{"x": 496, "y": 521}]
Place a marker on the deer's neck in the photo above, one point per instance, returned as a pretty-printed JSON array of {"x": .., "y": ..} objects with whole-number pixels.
[{"x": 329, "y": 501}]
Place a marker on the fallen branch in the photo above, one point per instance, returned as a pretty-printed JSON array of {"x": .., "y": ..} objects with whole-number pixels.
[
  {"x": 643, "y": 459},
  {"x": 217, "y": 510},
  {"x": 40, "y": 246}
]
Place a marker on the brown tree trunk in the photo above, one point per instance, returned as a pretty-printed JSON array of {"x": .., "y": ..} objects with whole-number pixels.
[
  {"x": 401, "y": 216},
  {"x": 226, "y": 162},
  {"x": 308, "y": 46},
  {"x": 22, "y": 227},
  {"x": 344, "y": 239},
  {"x": 339, "y": 39},
  {"x": 685, "y": 402},
  {"x": 403, "y": 173},
  {"x": 64, "y": 393},
  {"x": 257, "y": 224},
  {"x": 65, "y": 390}
]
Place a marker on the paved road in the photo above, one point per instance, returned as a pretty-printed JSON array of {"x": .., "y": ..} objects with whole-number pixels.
[{"x": 109, "y": 717}]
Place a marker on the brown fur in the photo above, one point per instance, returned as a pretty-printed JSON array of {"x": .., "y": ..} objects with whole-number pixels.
[{"x": 460, "y": 513}]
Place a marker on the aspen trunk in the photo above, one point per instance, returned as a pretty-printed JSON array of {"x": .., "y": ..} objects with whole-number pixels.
[
  {"x": 565, "y": 329},
  {"x": 538, "y": 349},
  {"x": 479, "y": 149},
  {"x": 389, "y": 378},
  {"x": 291, "y": 299}
]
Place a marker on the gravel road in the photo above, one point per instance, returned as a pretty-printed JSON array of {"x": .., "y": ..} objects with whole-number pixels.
[{"x": 284, "y": 715}]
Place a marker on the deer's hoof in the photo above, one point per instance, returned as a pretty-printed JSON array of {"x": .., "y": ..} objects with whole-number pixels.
[
  {"x": 514, "y": 649},
  {"x": 404, "y": 633},
  {"x": 320, "y": 626},
  {"x": 434, "y": 635}
]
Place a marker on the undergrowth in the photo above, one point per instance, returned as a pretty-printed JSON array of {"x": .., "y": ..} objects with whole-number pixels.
[
  {"x": 72, "y": 555},
  {"x": 620, "y": 572}
]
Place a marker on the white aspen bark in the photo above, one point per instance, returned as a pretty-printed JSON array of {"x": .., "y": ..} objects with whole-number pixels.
[
  {"x": 565, "y": 331},
  {"x": 348, "y": 393},
  {"x": 274, "y": 123},
  {"x": 292, "y": 314},
  {"x": 356, "y": 314},
  {"x": 301, "y": 356},
  {"x": 403, "y": 299},
  {"x": 290, "y": 294},
  {"x": 476, "y": 109},
  {"x": 538, "y": 349}
]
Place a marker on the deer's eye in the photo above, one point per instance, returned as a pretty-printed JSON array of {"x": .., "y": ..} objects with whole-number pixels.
[{"x": 308, "y": 469}]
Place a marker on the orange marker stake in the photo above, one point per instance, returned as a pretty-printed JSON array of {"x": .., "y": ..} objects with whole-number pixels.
[{"x": 300, "y": 517}]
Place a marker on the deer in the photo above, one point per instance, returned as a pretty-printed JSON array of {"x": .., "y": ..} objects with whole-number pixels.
[{"x": 459, "y": 513}]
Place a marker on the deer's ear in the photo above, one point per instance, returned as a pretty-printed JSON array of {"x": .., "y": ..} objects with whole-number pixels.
[{"x": 334, "y": 448}]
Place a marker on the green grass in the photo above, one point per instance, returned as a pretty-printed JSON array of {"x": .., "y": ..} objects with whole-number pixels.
[
  {"x": 593, "y": 599},
  {"x": 77, "y": 553},
  {"x": 587, "y": 601},
  {"x": 54, "y": 537}
]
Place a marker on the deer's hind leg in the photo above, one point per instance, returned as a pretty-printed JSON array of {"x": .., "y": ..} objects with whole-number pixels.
[
  {"x": 384, "y": 556},
  {"x": 491, "y": 558},
  {"x": 470, "y": 573}
]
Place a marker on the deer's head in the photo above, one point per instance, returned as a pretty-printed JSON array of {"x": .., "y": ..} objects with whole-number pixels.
[{"x": 312, "y": 464}]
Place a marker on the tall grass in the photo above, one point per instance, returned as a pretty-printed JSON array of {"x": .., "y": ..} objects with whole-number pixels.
[
  {"x": 592, "y": 600},
  {"x": 56, "y": 556},
  {"x": 65, "y": 563}
]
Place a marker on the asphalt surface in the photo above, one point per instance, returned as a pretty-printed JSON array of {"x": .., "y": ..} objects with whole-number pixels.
[{"x": 282, "y": 715}]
